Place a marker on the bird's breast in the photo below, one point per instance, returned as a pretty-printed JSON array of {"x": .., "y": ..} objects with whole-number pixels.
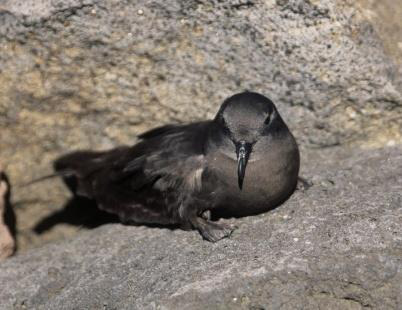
[{"x": 267, "y": 182}]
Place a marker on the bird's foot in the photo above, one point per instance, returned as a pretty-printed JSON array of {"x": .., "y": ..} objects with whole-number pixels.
[{"x": 211, "y": 231}]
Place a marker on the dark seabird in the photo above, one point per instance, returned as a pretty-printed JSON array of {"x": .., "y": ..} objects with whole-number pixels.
[{"x": 243, "y": 162}]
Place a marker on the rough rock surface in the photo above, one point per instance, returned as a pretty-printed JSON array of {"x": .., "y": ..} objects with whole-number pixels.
[
  {"x": 386, "y": 18},
  {"x": 337, "y": 245},
  {"x": 94, "y": 73}
]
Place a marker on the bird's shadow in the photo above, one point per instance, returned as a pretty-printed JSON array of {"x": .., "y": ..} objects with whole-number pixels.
[
  {"x": 84, "y": 212},
  {"x": 78, "y": 211}
]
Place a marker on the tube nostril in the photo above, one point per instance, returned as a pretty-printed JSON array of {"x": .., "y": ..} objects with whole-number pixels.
[{"x": 243, "y": 151}]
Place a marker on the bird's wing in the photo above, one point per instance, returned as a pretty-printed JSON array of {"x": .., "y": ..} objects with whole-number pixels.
[
  {"x": 167, "y": 161},
  {"x": 167, "y": 157},
  {"x": 147, "y": 182},
  {"x": 160, "y": 131}
]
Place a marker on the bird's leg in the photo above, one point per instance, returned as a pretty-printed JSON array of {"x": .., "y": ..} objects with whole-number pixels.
[{"x": 209, "y": 230}]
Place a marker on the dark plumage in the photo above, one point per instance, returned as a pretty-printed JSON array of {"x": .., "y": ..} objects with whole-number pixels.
[{"x": 243, "y": 162}]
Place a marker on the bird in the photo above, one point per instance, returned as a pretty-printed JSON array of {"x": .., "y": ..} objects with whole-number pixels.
[{"x": 243, "y": 162}]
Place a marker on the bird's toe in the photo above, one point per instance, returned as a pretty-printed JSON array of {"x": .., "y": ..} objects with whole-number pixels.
[{"x": 214, "y": 232}]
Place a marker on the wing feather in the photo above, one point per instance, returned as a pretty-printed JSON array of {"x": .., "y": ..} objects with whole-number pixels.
[
  {"x": 169, "y": 154},
  {"x": 138, "y": 182}
]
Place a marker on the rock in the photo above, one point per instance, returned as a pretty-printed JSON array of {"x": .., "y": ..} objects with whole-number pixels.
[
  {"x": 335, "y": 246},
  {"x": 386, "y": 18},
  {"x": 7, "y": 242},
  {"x": 94, "y": 73}
]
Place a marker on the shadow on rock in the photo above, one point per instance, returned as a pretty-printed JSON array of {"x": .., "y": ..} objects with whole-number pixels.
[
  {"x": 78, "y": 211},
  {"x": 81, "y": 211}
]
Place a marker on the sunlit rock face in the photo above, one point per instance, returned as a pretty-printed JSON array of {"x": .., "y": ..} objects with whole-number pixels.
[{"x": 94, "y": 74}]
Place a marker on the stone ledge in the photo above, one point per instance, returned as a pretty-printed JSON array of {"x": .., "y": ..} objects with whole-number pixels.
[{"x": 336, "y": 245}]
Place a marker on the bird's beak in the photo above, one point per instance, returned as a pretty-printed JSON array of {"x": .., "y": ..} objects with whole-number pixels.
[{"x": 243, "y": 151}]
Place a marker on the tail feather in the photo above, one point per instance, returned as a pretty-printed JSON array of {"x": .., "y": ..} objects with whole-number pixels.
[
  {"x": 77, "y": 168},
  {"x": 80, "y": 169},
  {"x": 80, "y": 163}
]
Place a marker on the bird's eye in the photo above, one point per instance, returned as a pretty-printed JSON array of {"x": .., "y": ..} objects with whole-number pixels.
[{"x": 267, "y": 119}]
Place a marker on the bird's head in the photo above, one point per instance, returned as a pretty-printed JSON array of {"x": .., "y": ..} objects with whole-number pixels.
[{"x": 243, "y": 121}]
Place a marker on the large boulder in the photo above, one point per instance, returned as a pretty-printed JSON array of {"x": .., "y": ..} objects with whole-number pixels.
[
  {"x": 94, "y": 73},
  {"x": 336, "y": 245}
]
